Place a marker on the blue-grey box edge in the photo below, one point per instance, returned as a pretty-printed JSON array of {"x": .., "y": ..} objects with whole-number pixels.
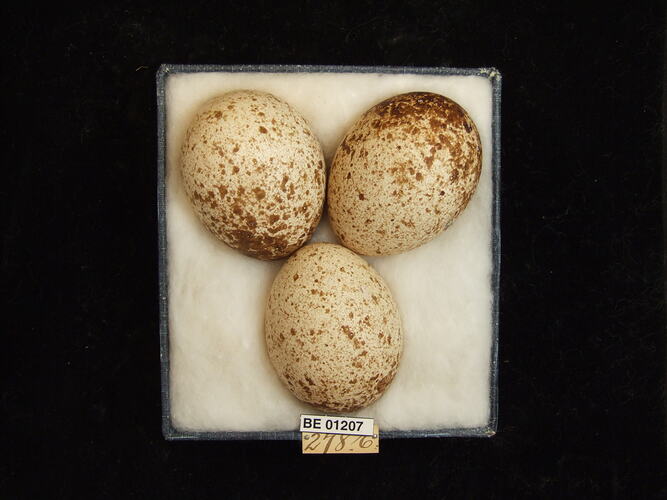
[{"x": 168, "y": 430}]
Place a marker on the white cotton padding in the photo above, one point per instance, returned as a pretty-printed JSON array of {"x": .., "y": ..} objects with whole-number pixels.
[{"x": 220, "y": 375}]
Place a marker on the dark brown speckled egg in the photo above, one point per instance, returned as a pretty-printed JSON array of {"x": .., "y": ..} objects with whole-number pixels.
[{"x": 402, "y": 174}]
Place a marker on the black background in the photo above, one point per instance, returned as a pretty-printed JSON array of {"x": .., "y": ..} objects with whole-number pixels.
[{"x": 582, "y": 387}]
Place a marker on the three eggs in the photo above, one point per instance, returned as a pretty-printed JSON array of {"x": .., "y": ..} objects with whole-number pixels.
[{"x": 256, "y": 176}]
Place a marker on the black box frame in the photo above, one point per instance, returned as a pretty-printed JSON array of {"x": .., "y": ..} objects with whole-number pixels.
[{"x": 168, "y": 430}]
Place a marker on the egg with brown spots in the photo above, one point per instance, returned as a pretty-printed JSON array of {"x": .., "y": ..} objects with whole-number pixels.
[
  {"x": 254, "y": 172},
  {"x": 402, "y": 174},
  {"x": 333, "y": 331}
]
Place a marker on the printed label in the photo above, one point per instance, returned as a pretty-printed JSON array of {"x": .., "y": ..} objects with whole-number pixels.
[{"x": 352, "y": 426}]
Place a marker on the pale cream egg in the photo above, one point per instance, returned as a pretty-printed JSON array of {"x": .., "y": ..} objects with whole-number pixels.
[
  {"x": 333, "y": 330},
  {"x": 254, "y": 172}
]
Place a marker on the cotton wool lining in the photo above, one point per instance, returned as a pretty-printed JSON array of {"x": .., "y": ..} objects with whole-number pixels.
[{"x": 220, "y": 375}]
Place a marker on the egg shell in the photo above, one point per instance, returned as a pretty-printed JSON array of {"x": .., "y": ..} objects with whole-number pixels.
[
  {"x": 254, "y": 172},
  {"x": 333, "y": 330},
  {"x": 402, "y": 174}
]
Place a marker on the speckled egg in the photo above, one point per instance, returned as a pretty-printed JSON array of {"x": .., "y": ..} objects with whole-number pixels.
[
  {"x": 254, "y": 173},
  {"x": 402, "y": 174},
  {"x": 333, "y": 331}
]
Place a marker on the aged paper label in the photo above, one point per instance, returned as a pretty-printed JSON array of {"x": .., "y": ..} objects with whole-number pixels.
[{"x": 320, "y": 443}]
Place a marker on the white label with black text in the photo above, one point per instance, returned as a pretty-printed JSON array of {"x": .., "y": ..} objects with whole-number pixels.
[{"x": 337, "y": 425}]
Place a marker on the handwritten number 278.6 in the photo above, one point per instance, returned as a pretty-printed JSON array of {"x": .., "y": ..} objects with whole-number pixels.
[{"x": 319, "y": 439}]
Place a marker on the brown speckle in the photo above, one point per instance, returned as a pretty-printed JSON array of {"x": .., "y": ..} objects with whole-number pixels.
[
  {"x": 347, "y": 331},
  {"x": 259, "y": 193}
]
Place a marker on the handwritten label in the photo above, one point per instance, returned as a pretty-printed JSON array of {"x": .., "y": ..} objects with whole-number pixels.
[
  {"x": 320, "y": 443},
  {"x": 337, "y": 425}
]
